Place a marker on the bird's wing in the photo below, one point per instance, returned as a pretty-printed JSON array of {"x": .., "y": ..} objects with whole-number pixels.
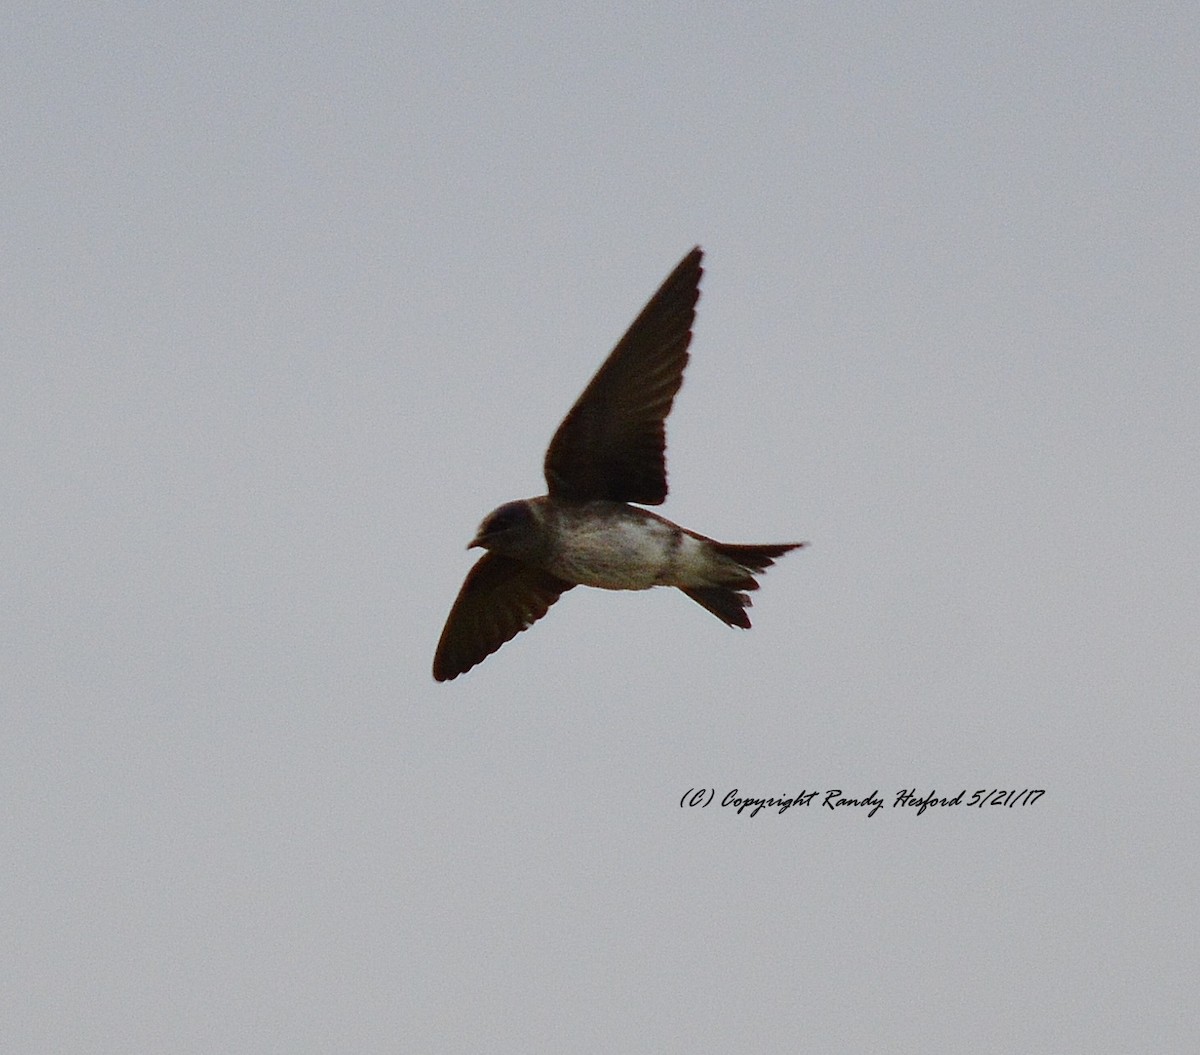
[
  {"x": 612, "y": 443},
  {"x": 500, "y": 598}
]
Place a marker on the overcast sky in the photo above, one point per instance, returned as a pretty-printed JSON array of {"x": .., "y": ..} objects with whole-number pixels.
[{"x": 294, "y": 294}]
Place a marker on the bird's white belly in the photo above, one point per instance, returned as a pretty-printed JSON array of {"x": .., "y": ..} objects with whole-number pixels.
[{"x": 617, "y": 554}]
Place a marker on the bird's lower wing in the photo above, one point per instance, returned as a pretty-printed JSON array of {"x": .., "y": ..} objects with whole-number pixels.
[{"x": 500, "y": 598}]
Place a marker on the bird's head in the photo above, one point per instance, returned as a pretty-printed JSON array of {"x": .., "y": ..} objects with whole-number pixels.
[{"x": 513, "y": 529}]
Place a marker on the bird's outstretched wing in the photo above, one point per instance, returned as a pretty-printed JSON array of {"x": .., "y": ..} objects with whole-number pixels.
[
  {"x": 499, "y": 598},
  {"x": 612, "y": 443}
]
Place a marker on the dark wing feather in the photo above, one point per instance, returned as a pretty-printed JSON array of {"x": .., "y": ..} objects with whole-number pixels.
[
  {"x": 612, "y": 443},
  {"x": 500, "y": 598}
]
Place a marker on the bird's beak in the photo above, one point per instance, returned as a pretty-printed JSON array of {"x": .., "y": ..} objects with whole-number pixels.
[{"x": 476, "y": 543}]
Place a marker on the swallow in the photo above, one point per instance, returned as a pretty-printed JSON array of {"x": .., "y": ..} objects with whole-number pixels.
[{"x": 607, "y": 458}]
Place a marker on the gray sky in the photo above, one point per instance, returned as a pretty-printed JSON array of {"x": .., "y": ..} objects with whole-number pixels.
[{"x": 293, "y": 295}]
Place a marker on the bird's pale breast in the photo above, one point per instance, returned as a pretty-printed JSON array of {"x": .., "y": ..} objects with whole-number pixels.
[{"x": 615, "y": 552}]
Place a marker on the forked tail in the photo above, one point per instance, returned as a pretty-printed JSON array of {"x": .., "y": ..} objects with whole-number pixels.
[
  {"x": 756, "y": 558},
  {"x": 727, "y": 602}
]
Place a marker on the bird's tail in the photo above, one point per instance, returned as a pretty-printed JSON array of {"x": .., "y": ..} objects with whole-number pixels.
[
  {"x": 727, "y": 602},
  {"x": 755, "y": 558}
]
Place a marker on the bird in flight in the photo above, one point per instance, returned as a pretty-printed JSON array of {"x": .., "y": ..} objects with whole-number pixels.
[{"x": 608, "y": 452}]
